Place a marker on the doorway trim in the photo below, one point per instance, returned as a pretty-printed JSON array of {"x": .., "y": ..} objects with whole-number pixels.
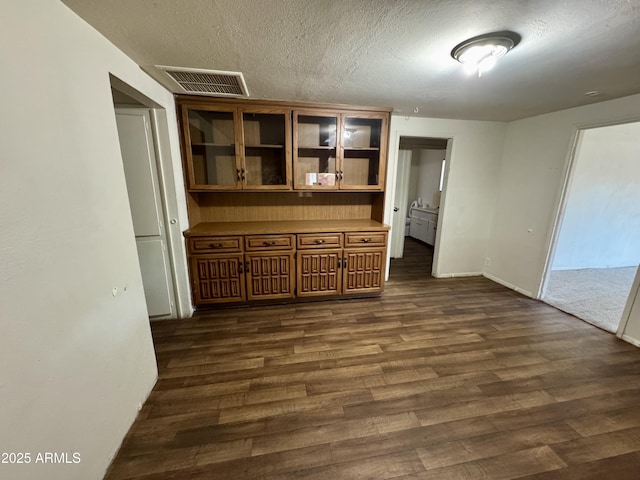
[
  {"x": 560, "y": 216},
  {"x": 560, "y": 212},
  {"x": 169, "y": 192},
  {"x": 390, "y": 190}
]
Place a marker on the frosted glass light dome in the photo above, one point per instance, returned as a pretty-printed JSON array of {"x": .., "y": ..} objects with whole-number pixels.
[{"x": 480, "y": 54}]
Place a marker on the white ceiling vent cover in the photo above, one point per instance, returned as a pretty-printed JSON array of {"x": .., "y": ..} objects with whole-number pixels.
[{"x": 216, "y": 83}]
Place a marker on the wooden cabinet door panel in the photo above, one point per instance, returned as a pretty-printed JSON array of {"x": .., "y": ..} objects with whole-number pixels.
[
  {"x": 364, "y": 270},
  {"x": 266, "y": 148},
  {"x": 363, "y": 151},
  {"x": 315, "y": 150},
  {"x": 212, "y": 146},
  {"x": 269, "y": 275},
  {"x": 218, "y": 279},
  {"x": 319, "y": 273}
]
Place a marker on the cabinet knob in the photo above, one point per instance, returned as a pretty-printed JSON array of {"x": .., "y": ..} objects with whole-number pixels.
[
  {"x": 319, "y": 241},
  {"x": 215, "y": 245},
  {"x": 366, "y": 240},
  {"x": 269, "y": 244}
]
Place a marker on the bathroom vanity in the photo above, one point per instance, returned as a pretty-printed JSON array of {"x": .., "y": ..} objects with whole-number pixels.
[{"x": 423, "y": 224}]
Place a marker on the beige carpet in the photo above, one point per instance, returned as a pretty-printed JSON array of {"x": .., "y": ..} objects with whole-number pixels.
[{"x": 596, "y": 295}]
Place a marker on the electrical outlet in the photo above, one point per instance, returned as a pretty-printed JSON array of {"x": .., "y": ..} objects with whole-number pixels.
[{"x": 487, "y": 261}]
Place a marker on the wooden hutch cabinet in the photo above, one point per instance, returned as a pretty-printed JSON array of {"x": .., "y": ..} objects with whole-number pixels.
[{"x": 285, "y": 200}]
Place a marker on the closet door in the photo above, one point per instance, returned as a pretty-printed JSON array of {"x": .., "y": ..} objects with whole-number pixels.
[{"x": 139, "y": 160}]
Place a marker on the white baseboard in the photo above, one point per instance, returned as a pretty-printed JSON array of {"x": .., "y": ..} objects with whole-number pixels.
[
  {"x": 631, "y": 340},
  {"x": 461, "y": 274},
  {"x": 508, "y": 285}
]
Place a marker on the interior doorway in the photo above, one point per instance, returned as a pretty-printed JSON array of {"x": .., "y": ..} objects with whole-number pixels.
[
  {"x": 419, "y": 184},
  {"x": 595, "y": 253},
  {"x": 139, "y": 130}
]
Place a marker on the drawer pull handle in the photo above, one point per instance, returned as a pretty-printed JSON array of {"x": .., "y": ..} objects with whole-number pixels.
[
  {"x": 215, "y": 245},
  {"x": 269, "y": 244},
  {"x": 319, "y": 241},
  {"x": 366, "y": 240}
]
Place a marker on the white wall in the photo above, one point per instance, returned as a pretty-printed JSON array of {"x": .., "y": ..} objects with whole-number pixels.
[
  {"x": 471, "y": 178},
  {"x": 601, "y": 222},
  {"x": 75, "y": 361},
  {"x": 429, "y": 170},
  {"x": 534, "y": 168},
  {"x": 424, "y": 180}
]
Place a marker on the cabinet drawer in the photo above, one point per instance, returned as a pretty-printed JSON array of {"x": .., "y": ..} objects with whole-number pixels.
[
  {"x": 256, "y": 243},
  {"x": 319, "y": 240},
  {"x": 215, "y": 244},
  {"x": 365, "y": 239}
]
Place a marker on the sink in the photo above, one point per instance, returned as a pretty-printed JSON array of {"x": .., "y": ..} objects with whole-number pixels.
[{"x": 426, "y": 209}]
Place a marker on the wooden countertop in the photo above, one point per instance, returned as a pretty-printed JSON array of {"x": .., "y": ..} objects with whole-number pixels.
[{"x": 275, "y": 227}]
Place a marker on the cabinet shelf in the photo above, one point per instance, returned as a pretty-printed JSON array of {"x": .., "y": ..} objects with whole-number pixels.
[
  {"x": 361, "y": 149},
  {"x": 204, "y": 144},
  {"x": 319, "y": 147},
  {"x": 265, "y": 147}
]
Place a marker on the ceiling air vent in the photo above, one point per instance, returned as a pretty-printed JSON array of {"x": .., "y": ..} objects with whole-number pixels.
[{"x": 207, "y": 82}]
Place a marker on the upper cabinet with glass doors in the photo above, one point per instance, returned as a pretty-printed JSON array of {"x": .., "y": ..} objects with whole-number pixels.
[
  {"x": 339, "y": 151},
  {"x": 237, "y": 147}
]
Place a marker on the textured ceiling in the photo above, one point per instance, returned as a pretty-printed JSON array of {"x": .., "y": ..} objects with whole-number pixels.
[{"x": 393, "y": 53}]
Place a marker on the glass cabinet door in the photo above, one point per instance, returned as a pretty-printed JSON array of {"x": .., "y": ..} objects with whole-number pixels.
[
  {"x": 315, "y": 151},
  {"x": 266, "y": 149},
  {"x": 212, "y": 144},
  {"x": 362, "y": 138}
]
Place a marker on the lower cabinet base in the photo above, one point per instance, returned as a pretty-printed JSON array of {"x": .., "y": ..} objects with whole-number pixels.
[
  {"x": 288, "y": 301},
  {"x": 254, "y": 264}
]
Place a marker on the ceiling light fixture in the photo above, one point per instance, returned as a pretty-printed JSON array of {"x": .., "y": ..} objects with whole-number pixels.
[{"x": 479, "y": 54}]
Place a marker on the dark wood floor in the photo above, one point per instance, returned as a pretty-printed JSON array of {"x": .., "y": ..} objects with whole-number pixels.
[{"x": 438, "y": 379}]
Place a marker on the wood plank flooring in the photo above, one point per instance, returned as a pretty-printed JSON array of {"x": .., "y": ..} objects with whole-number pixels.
[{"x": 437, "y": 379}]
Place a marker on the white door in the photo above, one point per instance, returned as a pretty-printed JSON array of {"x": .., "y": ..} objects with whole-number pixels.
[
  {"x": 400, "y": 207},
  {"x": 139, "y": 158}
]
